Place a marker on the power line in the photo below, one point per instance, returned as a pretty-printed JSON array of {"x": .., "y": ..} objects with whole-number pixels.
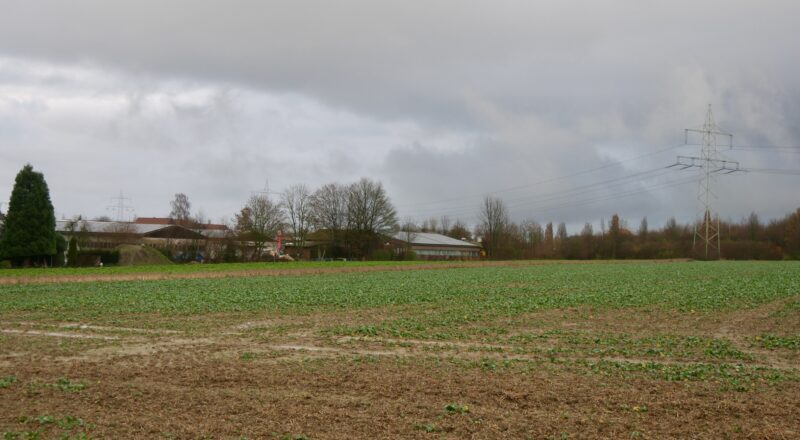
[
  {"x": 646, "y": 189},
  {"x": 592, "y": 186},
  {"x": 772, "y": 171},
  {"x": 588, "y": 201},
  {"x": 541, "y": 199},
  {"x": 773, "y": 150},
  {"x": 552, "y": 179},
  {"x": 764, "y": 147}
]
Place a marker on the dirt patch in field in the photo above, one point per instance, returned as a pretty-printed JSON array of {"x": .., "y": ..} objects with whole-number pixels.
[
  {"x": 290, "y": 271},
  {"x": 761, "y": 319},
  {"x": 263, "y": 375},
  {"x": 184, "y": 394},
  {"x": 56, "y": 334}
]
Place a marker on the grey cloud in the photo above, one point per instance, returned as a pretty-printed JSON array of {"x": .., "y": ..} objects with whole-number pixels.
[
  {"x": 441, "y": 99},
  {"x": 412, "y": 58}
]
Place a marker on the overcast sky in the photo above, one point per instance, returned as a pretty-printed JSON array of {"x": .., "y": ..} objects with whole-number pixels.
[{"x": 443, "y": 101}]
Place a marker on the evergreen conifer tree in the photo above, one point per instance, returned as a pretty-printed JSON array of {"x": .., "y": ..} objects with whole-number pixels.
[
  {"x": 29, "y": 235},
  {"x": 72, "y": 252}
]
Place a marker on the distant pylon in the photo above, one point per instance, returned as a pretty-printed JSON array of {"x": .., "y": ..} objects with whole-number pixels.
[
  {"x": 706, "y": 239},
  {"x": 120, "y": 207}
]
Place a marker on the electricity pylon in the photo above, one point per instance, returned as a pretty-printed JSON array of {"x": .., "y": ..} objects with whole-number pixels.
[
  {"x": 706, "y": 239},
  {"x": 120, "y": 208}
]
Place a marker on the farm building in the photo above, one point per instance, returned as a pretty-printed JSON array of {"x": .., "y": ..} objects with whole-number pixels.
[
  {"x": 183, "y": 240},
  {"x": 425, "y": 245},
  {"x": 94, "y": 234},
  {"x": 431, "y": 246}
]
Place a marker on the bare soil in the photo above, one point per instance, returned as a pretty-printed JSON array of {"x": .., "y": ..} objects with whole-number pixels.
[{"x": 268, "y": 376}]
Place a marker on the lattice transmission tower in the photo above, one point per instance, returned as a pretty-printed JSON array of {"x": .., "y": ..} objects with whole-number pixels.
[
  {"x": 706, "y": 240},
  {"x": 120, "y": 207}
]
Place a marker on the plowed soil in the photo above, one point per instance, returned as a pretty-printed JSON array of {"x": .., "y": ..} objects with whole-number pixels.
[{"x": 256, "y": 379}]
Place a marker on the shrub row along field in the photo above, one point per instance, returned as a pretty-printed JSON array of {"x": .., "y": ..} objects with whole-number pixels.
[{"x": 542, "y": 351}]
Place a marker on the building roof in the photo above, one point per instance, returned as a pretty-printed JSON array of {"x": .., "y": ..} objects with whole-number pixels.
[
  {"x": 185, "y": 223},
  {"x": 99, "y": 227},
  {"x": 154, "y": 220},
  {"x": 431, "y": 239}
]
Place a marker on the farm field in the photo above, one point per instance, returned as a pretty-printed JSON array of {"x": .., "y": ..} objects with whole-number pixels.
[{"x": 500, "y": 350}]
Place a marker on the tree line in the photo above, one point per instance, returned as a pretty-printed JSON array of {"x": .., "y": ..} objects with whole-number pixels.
[
  {"x": 749, "y": 238},
  {"x": 352, "y": 220}
]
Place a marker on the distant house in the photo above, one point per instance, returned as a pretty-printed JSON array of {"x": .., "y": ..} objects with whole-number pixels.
[
  {"x": 431, "y": 246},
  {"x": 214, "y": 236}
]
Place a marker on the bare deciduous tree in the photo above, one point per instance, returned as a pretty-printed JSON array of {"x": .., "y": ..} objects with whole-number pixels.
[
  {"x": 549, "y": 243},
  {"x": 181, "y": 208},
  {"x": 329, "y": 210},
  {"x": 408, "y": 231},
  {"x": 615, "y": 235},
  {"x": 369, "y": 213},
  {"x": 444, "y": 223},
  {"x": 494, "y": 221},
  {"x": 561, "y": 234},
  {"x": 200, "y": 218},
  {"x": 643, "y": 229},
  {"x": 431, "y": 225},
  {"x": 369, "y": 208},
  {"x": 297, "y": 202},
  {"x": 259, "y": 221},
  {"x": 533, "y": 236}
]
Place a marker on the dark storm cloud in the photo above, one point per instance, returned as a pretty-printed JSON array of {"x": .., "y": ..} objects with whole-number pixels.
[{"x": 440, "y": 99}]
